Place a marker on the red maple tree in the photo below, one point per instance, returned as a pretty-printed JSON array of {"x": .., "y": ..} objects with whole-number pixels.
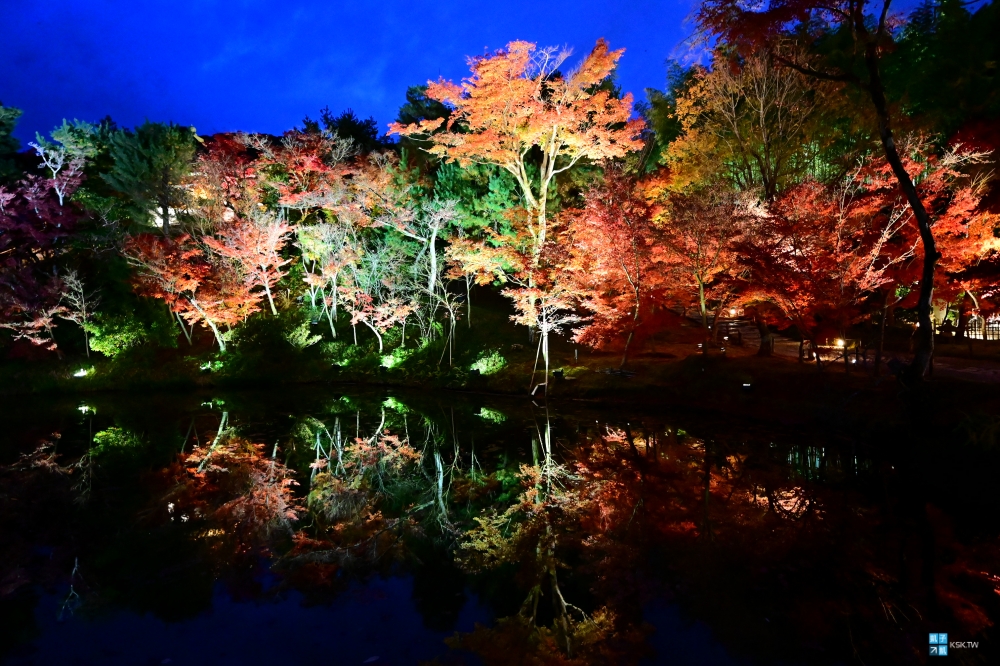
[
  {"x": 254, "y": 245},
  {"x": 617, "y": 258},
  {"x": 196, "y": 289}
]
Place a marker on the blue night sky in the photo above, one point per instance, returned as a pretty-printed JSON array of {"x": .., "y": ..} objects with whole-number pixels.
[{"x": 262, "y": 65}]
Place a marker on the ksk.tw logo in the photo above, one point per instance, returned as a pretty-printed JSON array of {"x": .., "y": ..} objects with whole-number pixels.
[{"x": 939, "y": 645}]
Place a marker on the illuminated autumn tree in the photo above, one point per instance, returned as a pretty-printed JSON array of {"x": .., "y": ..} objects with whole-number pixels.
[
  {"x": 806, "y": 35},
  {"x": 328, "y": 255},
  {"x": 254, "y": 245},
  {"x": 699, "y": 229},
  {"x": 823, "y": 251},
  {"x": 518, "y": 112},
  {"x": 196, "y": 289},
  {"x": 375, "y": 294},
  {"x": 36, "y": 221},
  {"x": 224, "y": 183},
  {"x": 617, "y": 260},
  {"x": 305, "y": 169},
  {"x": 753, "y": 122},
  {"x": 541, "y": 287},
  {"x": 79, "y": 304}
]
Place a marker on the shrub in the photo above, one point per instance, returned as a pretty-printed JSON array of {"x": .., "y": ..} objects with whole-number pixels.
[
  {"x": 489, "y": 363},
  {"x": 112, "y": 334}
]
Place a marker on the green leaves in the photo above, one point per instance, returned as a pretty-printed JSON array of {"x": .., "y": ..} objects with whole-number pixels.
[{"x": 149, "y": 165}]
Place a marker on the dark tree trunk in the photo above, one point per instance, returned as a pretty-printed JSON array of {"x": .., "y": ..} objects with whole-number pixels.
[
  {"x": 881, "y": 337},
  {"x": 924, "y": 348},
  {"x": 766, "y": 339},
  {"x": 165, "y": 202},
  {"x": 964, "y": 312}
]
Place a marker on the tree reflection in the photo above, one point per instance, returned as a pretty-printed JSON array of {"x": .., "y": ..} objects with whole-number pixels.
[{"x": 565, "y": 525}]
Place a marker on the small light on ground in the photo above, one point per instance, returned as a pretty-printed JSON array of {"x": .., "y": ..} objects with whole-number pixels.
[
  {"x": 82, "y": 372},
  {"x": 840, "y": 343}
]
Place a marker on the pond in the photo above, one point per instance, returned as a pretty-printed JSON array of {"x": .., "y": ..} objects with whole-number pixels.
[{"x": 358, "y": 526}]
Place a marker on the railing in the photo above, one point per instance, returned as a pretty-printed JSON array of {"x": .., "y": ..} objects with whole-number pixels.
[{"x": 980, "y": 329}]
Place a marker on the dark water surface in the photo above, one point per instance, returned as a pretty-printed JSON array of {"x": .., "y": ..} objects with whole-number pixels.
[{"x": 348, "y": 527}]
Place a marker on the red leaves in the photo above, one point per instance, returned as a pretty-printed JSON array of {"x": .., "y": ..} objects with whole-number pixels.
[
  {"x": 617, "y": 261},
  {"x": 823, "y": 250},
  {"x": 178, "y": 272},
  {"x": 254, "y": 245},
  {"x": 33, "y": 228}
]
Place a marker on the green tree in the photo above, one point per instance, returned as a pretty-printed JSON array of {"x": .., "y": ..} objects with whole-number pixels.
[
  {"x": 944, "y": 69},
  {"x": 8, "y": 144},
  {"x": 364, "y": 134},
  {"x": 149, "y": 166}
]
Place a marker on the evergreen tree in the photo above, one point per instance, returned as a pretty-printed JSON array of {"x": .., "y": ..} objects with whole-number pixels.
[
  {"x": 8, "y": 144},
  {"x": 149, "y": 165}
]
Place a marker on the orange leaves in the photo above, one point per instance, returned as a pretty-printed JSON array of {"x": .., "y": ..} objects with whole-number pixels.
[
  {"x": 168, "y": 267},
  {"x": 254, "y": 246},
  {"x": 515, "y": 101},
  {"x": 178, "y": 272}
]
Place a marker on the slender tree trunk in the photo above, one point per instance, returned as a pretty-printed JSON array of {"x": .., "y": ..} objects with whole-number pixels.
[
  {"x": 534, "y": 368},
  {"x": 270, "y": 301},
  {"x": 631, "y": 333},
  {"x": 329, "y": 318},
  {"x": 545, "y": 353},
  {"x": 377, "y": 335},
  {"x": 211, "y": 325},
  {"x": 925, "y": 332},
  {"x": 180, "y": 322},
  {"x": 432, "y": 277},
  {"x": 468, "y": 301},
  {"x": 701, "y": 302}
]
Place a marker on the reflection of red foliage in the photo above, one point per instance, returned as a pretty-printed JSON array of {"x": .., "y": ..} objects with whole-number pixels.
[{"x": 249, "y": 491}]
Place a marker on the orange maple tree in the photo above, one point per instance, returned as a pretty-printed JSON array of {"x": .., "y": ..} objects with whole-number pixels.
[
  {"x": 518, "y": 112},
  {"x": 254, "y": 245},
  {"x": 196, "y": 289}
]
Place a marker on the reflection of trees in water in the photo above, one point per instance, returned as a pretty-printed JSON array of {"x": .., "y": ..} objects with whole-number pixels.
[{"x": 782, "y": 549}]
